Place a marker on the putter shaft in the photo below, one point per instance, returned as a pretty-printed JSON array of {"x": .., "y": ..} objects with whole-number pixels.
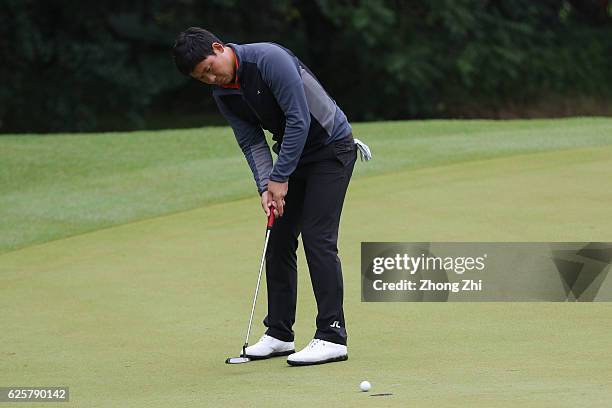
[{"x": 263, "y": 258}]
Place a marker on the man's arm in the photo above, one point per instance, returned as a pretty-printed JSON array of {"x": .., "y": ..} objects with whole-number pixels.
[
  {"x": 282, "y": 76},
  {"x": 252, "y": 142}
]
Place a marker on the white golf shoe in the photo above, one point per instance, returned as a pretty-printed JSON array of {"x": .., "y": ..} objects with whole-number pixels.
[
  {"x": 318, "y": 352},
  {"x": 269, "y": 346}
]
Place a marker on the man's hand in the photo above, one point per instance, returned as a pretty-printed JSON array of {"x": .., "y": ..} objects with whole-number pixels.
[
  {"x": 267, "y": 203},
  {"x": 278, "y": 191}
]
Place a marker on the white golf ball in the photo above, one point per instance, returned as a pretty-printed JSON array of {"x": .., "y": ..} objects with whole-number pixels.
[{"x": 365, "y": 386}]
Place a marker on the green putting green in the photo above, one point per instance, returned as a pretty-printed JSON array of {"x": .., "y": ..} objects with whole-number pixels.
[{"x": 144, "y": 314}]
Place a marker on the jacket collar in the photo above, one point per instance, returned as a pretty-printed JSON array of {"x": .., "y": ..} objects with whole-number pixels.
[{"x": 239, "y": 52}]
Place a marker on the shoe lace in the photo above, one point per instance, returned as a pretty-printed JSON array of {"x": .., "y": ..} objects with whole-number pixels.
[{"x": 314, "y": 342}]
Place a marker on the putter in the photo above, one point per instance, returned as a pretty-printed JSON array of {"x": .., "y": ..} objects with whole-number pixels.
[{"x": 243, "y": 358}]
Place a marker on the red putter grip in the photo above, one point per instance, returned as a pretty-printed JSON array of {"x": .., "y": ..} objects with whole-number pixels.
[{"x": 271, "y": 218}]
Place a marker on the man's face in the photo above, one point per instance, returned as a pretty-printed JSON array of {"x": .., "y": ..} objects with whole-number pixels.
[{"x": 216, "y": 69}]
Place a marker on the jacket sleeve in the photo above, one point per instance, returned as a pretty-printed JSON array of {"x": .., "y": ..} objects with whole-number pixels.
[
  {"x": 252, "y": 142},
  {"x": 280, "y": 72}
]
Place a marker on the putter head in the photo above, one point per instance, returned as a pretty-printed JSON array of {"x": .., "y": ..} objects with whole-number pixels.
[{"x": 237, "y": 360}]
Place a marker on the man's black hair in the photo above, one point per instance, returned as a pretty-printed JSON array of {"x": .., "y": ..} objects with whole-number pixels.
[{"x": 191, "y": 47}]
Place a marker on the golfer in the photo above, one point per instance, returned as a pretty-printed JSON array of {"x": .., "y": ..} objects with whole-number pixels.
[{"x": 264, "y": 86}]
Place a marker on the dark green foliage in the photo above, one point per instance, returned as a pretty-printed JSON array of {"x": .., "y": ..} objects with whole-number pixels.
[{"x": 70, "y": 65}]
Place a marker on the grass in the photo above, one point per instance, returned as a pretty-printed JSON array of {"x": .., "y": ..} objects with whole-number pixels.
[
  {"x": 62, "y": 185},
  {"x": 144, "y": 314}
]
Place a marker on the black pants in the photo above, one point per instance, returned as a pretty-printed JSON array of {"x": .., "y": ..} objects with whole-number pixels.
[{"x": 312, "y": 207}]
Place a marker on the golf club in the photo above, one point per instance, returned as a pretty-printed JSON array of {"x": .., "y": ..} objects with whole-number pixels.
[{"x": 243, "y": 358}]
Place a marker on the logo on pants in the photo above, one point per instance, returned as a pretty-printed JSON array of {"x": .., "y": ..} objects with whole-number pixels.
[{"x": 335, "y": 324}]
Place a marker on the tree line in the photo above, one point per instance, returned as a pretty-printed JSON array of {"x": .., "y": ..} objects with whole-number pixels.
[{"x": 69, "y": 65}]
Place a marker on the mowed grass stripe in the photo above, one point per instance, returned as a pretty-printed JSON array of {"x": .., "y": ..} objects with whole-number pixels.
[{"x": 63, "y": 185}]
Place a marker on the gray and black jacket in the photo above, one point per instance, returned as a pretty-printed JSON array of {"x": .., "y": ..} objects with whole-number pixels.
[{"x": 278, "y": 93}]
